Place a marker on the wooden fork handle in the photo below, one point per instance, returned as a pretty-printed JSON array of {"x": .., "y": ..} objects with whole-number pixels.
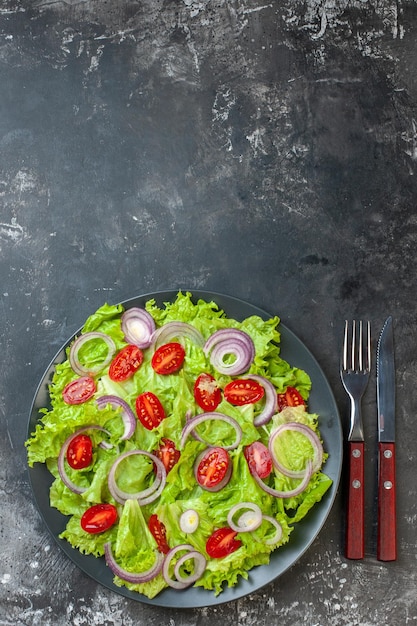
[
  {"x": 387, "y": 524},
  {"x": 355, "y": 538}
]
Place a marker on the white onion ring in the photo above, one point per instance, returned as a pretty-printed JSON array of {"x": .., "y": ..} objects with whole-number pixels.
[
  {"x": 292, "y": 492},
  {"x": 278, "y": 533},
  {"x": 133, "y": 577},
  {"x": 181, "y": 582},
  {"x": 177, "y": 329},
  {"x": 311, "y": 436},
  {"x": 63, "y": 453},
  {"x": 138, "y": 326},
  {"x": 146, "y": 495},
  {"x": 202, "y": 417},
  {"x": 270, "y": 405},
  {"x": 82, "y": 370},
  {"x": 199, "y": 564},
  {"x": 240, "y": 526},
  {"x": 228, "y": 341},
  {"x": 128, "y": 417}
]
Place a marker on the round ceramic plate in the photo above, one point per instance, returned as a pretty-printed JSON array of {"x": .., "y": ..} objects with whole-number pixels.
[{"x": 321, "y": 401}]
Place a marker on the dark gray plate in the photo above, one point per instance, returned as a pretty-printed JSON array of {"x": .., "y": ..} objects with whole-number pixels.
[{"x": 321, "y": 402}]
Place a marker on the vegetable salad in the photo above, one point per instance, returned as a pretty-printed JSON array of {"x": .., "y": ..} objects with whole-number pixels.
[{"x": 168, "y": 460}]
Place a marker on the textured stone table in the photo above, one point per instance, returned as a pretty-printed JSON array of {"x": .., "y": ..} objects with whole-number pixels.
[{"x": 265, "y": 150}]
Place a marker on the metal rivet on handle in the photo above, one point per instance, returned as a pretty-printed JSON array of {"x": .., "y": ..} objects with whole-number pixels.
[
  {"x": 387, "y": 484},
  {"x": 356, "y": 453},
  {"x": 356, "y": 484},
  {"x": 387, "y": 454}
]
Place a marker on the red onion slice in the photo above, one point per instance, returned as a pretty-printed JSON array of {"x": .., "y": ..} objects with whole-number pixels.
[
  {"x": 182, "y": 582},
  {"x": 203, "y": 417},
  {"x": 128, "y": 416},
  {"x": 311, "y": 436},
  {"x": 270, "y": 405},
  {"x": 133, "y": 577},
  {"x": 146, "y": 495},
  {"x": 172, "y": 330},
  {"x": 226, "y": 342},
  {"x": 278, "y": 530},
  {"x": 84, "y": 370},
  {"x": 246, "y": 523},
  {"x": 63, "y": 453},
  {"x": 138, "y": 326}
]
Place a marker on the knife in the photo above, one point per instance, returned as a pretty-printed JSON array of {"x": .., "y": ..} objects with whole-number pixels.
[{"x": 385, "y": 374}]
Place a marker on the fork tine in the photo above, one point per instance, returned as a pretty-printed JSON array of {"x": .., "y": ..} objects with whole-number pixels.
[{"x": 357, "y": 347}]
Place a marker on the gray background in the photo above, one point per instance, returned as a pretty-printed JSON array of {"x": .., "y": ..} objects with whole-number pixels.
[{"x": 266, "y": 150}]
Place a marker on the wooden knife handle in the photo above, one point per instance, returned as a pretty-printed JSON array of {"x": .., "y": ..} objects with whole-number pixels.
[
  {"x": 387, "y": 522},
  {"x": 355, "y": 537}
]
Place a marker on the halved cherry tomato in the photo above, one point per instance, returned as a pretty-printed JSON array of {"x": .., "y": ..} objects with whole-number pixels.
[
  {"x": 125, "y": 363},
  {"x": 79, "y": 390},
  {"x": 258, "y": 458},
  {"x": 159, "y": 533},
  {"x": 290, "y": 397},
  {"x": 207, "y": 393},
  {"x": 149, "y": 410},
  {"x": 213, "y": 468},
  {"x": 222, "y": 542},
  {"x": 80, "y": 452},
  {"x": 243, "y": 391},
  {"x": 168, "y": 358},
  {"x": 168, "y": 453},
  {"x": 98, "y": 518}
]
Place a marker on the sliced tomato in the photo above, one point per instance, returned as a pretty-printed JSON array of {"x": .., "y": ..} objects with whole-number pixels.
[
  {"x": 222, "y": 542},
  {"x": 213, "y": 468},
  {"x": 149, "y": 410},
  {"x": 259, "y": 459},
  {"x": 98, "y": 518},
  {"x": 79, "y": 390},
  {"x": 159, "y": 533},
  {"x": 125, "y": 363},
  {"x": 168, "y": 358},
  {"x": 207, "y": 393},
  {"x": 243, "y": 391},
  {"x": 168, "y": 453},
  {"x": 290, "y": 397},
  {"x": 80, "y": 452}
]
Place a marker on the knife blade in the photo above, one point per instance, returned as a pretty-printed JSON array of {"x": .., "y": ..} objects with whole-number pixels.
[{"x": 385, "y": 376}]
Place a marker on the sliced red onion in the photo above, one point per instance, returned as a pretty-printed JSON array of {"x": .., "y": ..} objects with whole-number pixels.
[
  {"x": 278, "y": 532},
  {"x": 203, "y": 417},
  {"x": 128, "y": 417},
  {"x": 270, "y": 405},
  {"x": 189, "y": 521},
  {"x": 84, "y": 370},
  {"x": 172, "y": 330},
  {"x": 226, "y": 342},
  {"x": 133, "y": 577},
  {"x": 311, "y": 436},
  {"x": 223, "y": 481},
  {"x": 251, "y": 520},
  {"x": 138, "y": 326},
  {"x": 292, "y": 492},
  {"x": 182, "y": 582},
  {"x": 63, "y": 453},
  {"x": 146, "y": 495}
]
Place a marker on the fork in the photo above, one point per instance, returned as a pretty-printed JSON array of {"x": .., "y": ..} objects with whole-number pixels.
[{"x": 354, "y": 372}]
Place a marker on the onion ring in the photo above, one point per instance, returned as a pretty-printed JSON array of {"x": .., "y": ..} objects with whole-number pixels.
[
  {"x": 241, "y": 526},
  {"x": 230, "y": 341},
  {"x": 177, "y": 329},
  {"x": 146, "y": 495},
  {"x": 133, "y": 577},
  {"x": 292, "y": 492},
  {"x": 83, "y": 370},
  {"x": 270, "y": 405},
  {"x": 202, "y": 417},
  {"x": 311, "y": 436},
  {"x": 128, "y": 417},
  {"x": 138, "y": 326},
  {"x": 182, "y": 582}
]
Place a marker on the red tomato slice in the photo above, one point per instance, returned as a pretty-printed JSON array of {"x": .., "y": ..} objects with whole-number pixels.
[
  {"x": 168, "y": 453},
  {"x": 168, "y": 358},
  {"x": 213, "y": 468},
  {"x": 243, "y": 391},
  {"x": 207, "y": 393},
  {"x": 98, "y": 518},
  {"x": 125, "y": 363},
  {"x": 258, "y": 458},
  {"x": 80, "y": 452},
  {"x": 149, "y": 410},
  {"x": 159, "y": 533},
  {"x": 222, "y": 542},
  {"x": 290, "y": 397},
  {"x": 79, "y": 390}
]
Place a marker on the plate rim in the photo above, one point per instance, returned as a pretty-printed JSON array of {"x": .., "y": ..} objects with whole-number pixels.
[{"x": 170, "y": 598}]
